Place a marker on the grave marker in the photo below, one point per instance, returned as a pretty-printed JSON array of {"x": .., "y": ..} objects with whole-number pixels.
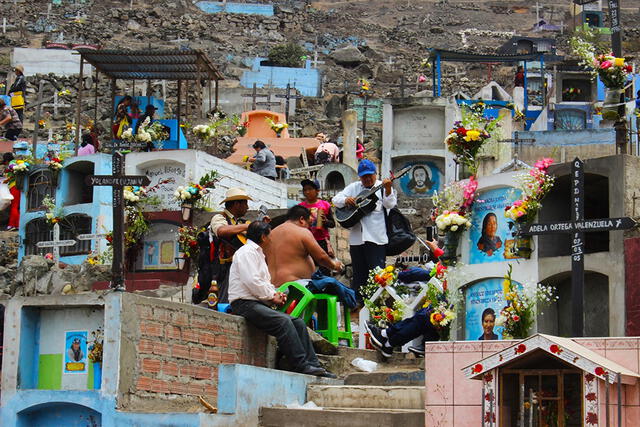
[
  {"x": 577, "y": 227},
  {"x": 56, "y": 244},
  {"x": 365, "y": 106},
  {"x": 253, "y": 95},
  {"x": 288, "y": 96},
  {"x": 118, "y": 181},
  {"x": 345, "y": 92}
]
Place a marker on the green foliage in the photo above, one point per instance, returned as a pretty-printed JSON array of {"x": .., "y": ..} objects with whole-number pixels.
[{"x": 286, "y": 55}]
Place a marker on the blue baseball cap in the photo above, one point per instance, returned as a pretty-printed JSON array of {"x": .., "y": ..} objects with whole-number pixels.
[{"x": 366, "y": 167}]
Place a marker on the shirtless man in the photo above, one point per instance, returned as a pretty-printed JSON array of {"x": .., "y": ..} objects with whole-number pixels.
[{"x": 293, "y": 249}]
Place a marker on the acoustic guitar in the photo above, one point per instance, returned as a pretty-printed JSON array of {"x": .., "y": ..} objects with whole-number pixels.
[
  {"x": 262, "y": 212},
  {"x": 348, "y": 216}
]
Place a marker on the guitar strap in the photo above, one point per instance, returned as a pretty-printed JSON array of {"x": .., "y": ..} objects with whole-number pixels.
[{"x": 229, "y": 247}]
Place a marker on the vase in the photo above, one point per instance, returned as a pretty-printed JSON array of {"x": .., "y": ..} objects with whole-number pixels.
[
  {"x": 451, "y": 240},
  {"x": 523, "y": 247},
  {"x": 445, "y": 333},
  {"x": 186, "y": 210},
  {"x": 610, "y": 109},
  {"x": 97, "y": 375}
]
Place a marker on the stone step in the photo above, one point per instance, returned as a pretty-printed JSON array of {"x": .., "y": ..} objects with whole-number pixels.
[
  {"x": 387, "y": 378},
  {"x": 342, "y": 366},
  {"x": 366, "y": 396},
  {"x": 335, "y": 417}
]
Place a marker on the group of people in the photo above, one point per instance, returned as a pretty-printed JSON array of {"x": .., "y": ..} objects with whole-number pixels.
[
  {"x": 12, "y": 116},
  {"x": 14, "y": 207},
  {"x": 251, "y": 271}
]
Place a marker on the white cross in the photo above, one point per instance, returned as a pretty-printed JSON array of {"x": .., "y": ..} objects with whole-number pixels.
[
  {"x": 315, "y": 61},
  {"x": 390, "y": 61},
  {"x": 294, "y": 128},
  {"x": 55, "y": 104},
  {"x": 56, "y": 244}
]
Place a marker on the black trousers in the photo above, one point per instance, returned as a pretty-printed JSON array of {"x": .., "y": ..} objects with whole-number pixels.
[
  {"x": 409, "y": 329},
  {"x": 290, "y": 332},
  {"x": 223, "y": 283},
  {"x": 364, "y": 258},
  {"x": 12, "y": 134}
]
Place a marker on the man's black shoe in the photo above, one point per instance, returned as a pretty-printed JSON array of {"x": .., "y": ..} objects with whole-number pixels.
[
  {"x": 417, "y": 351},
  {"x": 378, "y": 341},
  {"x": 328, "y": 374},
  {"x": 313, "y": 370}
]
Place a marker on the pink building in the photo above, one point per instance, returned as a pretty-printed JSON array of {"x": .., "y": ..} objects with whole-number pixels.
[{"x": 540, "y": 381}]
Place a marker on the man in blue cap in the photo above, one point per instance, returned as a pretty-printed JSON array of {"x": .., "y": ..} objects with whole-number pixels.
[{"x": 368, "y": 238}]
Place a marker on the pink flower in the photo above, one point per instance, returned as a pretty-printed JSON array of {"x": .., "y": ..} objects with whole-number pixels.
[
  {"x": 543, "y": 164},
  {"x": 422, "y": 79},
  {"x": 606, "y": 64},
  {"x": 517, "y": 203}
]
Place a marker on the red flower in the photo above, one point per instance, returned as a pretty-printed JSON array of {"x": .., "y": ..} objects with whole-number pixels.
[
  {"x": 592, "y": 418},
  {"x": 193, "y": 243},
  {"x": 477, "y": 368},
  {"x": 521, "y": 348},
  {"x": 590, "y": 397},
  {"x": 589, "y": 377},
  {"x": 555, "y": 349},
  {"x": 487, "y": 397},
  {"x": 488, "y": 377},
  {"x": 600, "y": 371},
  {"x": 461, "y": 131}
]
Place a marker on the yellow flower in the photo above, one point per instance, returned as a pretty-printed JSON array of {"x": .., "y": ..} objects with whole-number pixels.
[
  {"x": 618, "y": 62},
  {"x": 472, "y": 135},
  {"x": 389, "y": 268},
  {"x": 506, "y": 288}
]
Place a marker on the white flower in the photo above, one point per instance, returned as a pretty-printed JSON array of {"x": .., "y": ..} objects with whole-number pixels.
[
  {"x": 454, "y": 228},
  {"x": 501, "y": 320},
  {"x": 146, "y": 121}
]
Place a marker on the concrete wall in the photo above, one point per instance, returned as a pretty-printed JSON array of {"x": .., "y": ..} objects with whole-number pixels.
[
  {"x": 307, "y": 80},
  {"x": 245, "y": 8},
  {"x": 158, "y": 356},
  {"x": 190, "y": 165},
  {"x": 232, "y": 101},
  {"x": 45, "y": 61}
]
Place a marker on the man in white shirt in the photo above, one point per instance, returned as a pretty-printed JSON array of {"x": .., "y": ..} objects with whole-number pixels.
[
  {"x": 368, "y": 238},
  {"x": 251, "y": 293}
]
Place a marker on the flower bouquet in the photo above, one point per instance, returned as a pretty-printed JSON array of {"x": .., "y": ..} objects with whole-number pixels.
[
  {"x": 451, "y": 212},
  {"x": 16, "y": 171},
  {"x": 364, "y": 86},
  {"x": 188, "y": 241},
  {"x": 468, "y": 135},
  {"x": 439, "y": 302},
  {"x": 191, "y": 194},
  {"x": 238, "y": 126},
  {"x": 534, "y": 185},
  {"x": 518, "y": 315},
  {"x": 384, "y": 309},
  {"x": 133, "y": 195},
  {"x": 95, "y": 348},
  {"x": 277, "y": 127},
  {"x": 53, "y": 214}
]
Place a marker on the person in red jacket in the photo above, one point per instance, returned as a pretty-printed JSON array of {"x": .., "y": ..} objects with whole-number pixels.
[{"x": 14, "y": 208}]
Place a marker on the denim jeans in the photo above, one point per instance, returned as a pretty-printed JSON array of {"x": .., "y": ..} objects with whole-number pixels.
[
  {"x": 364, "y": 258},
  {"x": 409, "y": 329}
]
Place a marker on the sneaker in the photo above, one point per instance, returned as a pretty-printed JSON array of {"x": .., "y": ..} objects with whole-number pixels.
[
  {"x": 379, "y": 342},
  {"x": 417, "y": 351},
  {"x": 12, "y": 228}
]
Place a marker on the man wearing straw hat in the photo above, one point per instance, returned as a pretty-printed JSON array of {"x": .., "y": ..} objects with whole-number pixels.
[{"x": 229, "y": 227}]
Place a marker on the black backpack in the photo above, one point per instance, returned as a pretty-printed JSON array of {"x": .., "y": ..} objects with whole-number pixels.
[
  {"x": 208, "y": 264},
  {"x": 399, "y": 232}
]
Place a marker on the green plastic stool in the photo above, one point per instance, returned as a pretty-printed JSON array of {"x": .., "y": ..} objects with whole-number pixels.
[
  {"x": 326, "y": 306},
  {"x": 301, "y": 296}
]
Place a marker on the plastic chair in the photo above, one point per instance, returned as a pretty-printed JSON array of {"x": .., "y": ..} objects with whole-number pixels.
[
  {"x": 298, "y": 299},
  {"x": 326, "y": 307}
]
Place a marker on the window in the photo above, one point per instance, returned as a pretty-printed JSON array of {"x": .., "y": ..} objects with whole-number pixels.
[
  {"x": 70, "y": 228},
  {"x": 77, "y": 191},
  {"x": 570, "y": 119},
  {"x": 40, "y": 186},
  {"x": 36, "y": 231}
]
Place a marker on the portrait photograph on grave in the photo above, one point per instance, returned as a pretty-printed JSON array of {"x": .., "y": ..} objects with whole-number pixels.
[
  {"x": 75, "y": 352},
  {"x": 491, "y": 234},
  {"x": 160, "y": 248},
  {"x": 483, "y": 302},
  {"x": 423, "y": 179}
]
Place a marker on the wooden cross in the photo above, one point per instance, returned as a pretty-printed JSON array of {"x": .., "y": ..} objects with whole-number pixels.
[
  {"x": 346, "y": 91},
  {"x": 56, "y": 244},
  {"x": 117, "y": 180},
  {"x": 577, "y": 227},
  {"x": 402, "y": 86},
  {"x": 55, "y": 104},
  {"x": 365, "y": 107},
  {"x": 253, "y": 95},
  {"x": 288, "y": 96},
  {"x": 268, "y": 103}
]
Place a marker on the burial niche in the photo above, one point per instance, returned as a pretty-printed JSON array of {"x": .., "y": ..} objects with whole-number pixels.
[
  {"x": 557, "y": 207},
  {"x": 40, "y": 186},
  {"x": 77, "y": 191},
  {"x": 159, "y": 248}
]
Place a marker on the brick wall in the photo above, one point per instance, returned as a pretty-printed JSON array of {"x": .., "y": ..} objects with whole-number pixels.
[{"x": 170, "y": 353}]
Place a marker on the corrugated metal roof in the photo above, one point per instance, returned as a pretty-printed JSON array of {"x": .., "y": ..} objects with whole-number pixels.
[
  {"x": 190, "y": 64},
  {"x": 453, "y": 56}
]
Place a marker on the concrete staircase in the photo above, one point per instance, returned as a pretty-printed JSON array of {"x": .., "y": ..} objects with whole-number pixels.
[{"x": 391, "y": 395}]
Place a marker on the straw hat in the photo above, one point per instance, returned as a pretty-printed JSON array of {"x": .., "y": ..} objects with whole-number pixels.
[
  {"x": 236, "y": 193},
  {"x": 19, "y": 68}
]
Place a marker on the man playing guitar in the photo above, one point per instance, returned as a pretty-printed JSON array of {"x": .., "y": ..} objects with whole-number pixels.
[
  {"x": 368, "y": 237},
  {"x": 230, "y": 227}
]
